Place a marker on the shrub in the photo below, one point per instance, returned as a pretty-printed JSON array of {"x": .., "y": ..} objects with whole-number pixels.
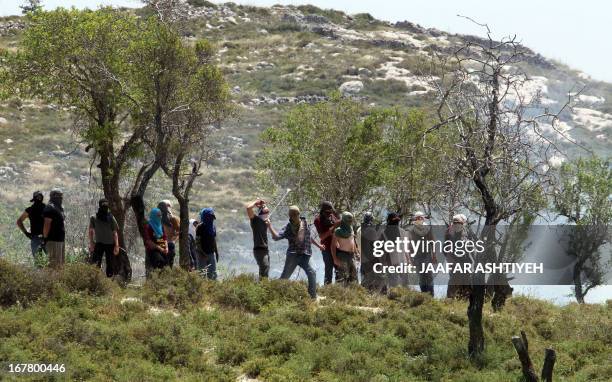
[
  {"x": 253, "y": 367},
  {"x": 201, "y": 3},
  {"x": 408, "y": 297},
  {"x": 244, "y": 292},
  {"x": 331, "y": 14},
  {"x": 169, "y": 341},
  {"x": 352, "y": 294},
  {"x": 241, "y": 292},
  {"x": 174, "y": 288},
  {"x": 385, "y": 87},
  {"x": 80, "y": 277},
  {"x": 284, "y": 27},
  {"x": 23, "y": 285},
  {"x": 231, "y": 352},
  {"x": 280, "y": 341}
]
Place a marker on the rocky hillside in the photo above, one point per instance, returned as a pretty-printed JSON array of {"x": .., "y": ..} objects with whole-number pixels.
[{"x": 274, "y": 58}]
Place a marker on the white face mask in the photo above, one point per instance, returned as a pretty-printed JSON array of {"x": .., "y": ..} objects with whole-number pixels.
[
  {"x": 419, "y": 222},
  {"x": 264, "y": 216}
]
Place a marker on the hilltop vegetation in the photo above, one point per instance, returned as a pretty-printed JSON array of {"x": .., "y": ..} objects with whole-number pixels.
[{"x": 179, "y": 326}]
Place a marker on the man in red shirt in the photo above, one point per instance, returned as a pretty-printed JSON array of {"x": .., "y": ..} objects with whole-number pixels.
[{"x": 326, "y": 223}]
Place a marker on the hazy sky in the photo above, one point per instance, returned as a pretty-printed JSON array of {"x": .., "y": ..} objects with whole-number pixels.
[{"x": 575, "y": 32}]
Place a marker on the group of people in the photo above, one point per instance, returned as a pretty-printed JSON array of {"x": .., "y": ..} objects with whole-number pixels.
[
  {"x": 161, "y": 232},
  {"x": 341, "y": 246},
  {"x": 47, "y": 231}
]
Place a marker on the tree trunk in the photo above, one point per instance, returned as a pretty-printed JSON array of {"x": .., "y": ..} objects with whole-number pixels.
[
  {"x": 549, "y": 363},
  {"x": 578, "y": 290},
  {"x": 110, "y": 186},
  {"x": 522, "y": 348},
  {"x": 474, "y": 312},
  {"x": 184, "y": 249},
  {"x": 138, "y": 206},
  {"x": 498, "y": 289}
]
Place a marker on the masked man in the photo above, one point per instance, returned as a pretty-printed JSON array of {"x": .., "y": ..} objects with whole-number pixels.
[
  {"x": 297, "y": 233},
  {"x": 34, "y": 214},
  {"x": 104, "y": 238},
  {"x": 54, "y": 232},
  {"x": 260, "y": 235}
]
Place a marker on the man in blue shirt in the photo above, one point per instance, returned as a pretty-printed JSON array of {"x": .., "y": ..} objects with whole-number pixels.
[{"x": 297, "y": 233}]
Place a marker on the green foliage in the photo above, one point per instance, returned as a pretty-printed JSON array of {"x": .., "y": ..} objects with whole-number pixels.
[
  {"x": 408, "y": 297},
  {"x": 584, "y": 199},
  {"x": 243, "y": 292},
  {"x": 22, "y": 285},
  {"x": 413, "y": 167},
  {"x": 365, "y": 21},
  {"x": 201, "y": 3},
  {"x": 326, "y": 151},
  {"x": 348, "y": 154},
  {"x": 584, "y": 191},
  {"x": 411, "y": 338},
  {"x": 174, "y": 288},
  {"x": 80, "y": 277},
  {"x": 331, "y": 14}
]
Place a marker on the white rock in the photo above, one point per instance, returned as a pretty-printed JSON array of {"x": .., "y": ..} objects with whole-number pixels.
[
  {"x": 8, "y": 141},
  {"x": 3, "y": 121},
  {"x": 590, "y": 99},
  {"x": 556, "y": 161},
  {"x": 351, "y": 87},
  {"x": 592, "y": 120}
]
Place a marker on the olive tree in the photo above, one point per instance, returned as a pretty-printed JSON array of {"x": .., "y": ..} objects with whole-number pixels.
[
  {"x": 326, "y": 151},
  {"x": 584, "y": 198},
  {"x": 498, "y": 145},
  {"x": 80, "y": 59}
]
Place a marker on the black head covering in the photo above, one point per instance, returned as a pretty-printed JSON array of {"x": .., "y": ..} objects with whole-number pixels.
[
  {"x": 368, "y": 218},
  {"x": 393, "y": 218},
  {"x": 103, "y": 213},
  {"x": 326, "y": 219}
]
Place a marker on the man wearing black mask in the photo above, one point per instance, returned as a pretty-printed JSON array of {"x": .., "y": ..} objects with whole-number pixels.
[
  {"x": 394, "y": 258},
  {"x": 326, "y": 223},
  {"x": 104, "y": 238},
  {"x": 260, "y": 235},
  {"x": 34, "y": 213},
  {"x": 54, "y": 233}
]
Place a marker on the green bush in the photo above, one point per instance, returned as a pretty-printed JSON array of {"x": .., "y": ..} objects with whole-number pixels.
[
  {"x": 168, "y": 341},
  {"x": 386, "y": 87},
  {"x": 23, "y": 285},
  {"x": 81, "y": 277},
  {"x": 201, "y": 3},
  {"x": 284, "y": 27},
  {"x": 174, "y": 287},
  {"x": 408, "y": 297},
  {"x": 353, "y": 294},
  {"x": 331, "y": 14},
  {"x": 231, "y": 352},
  {"x": 280, "y": 341},
  {"x": 245, "y": 292}
]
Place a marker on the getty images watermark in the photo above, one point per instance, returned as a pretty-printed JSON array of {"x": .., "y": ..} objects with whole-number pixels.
[
  {"x": 460, "y": 249},
  {"x": 533, "y": 255}
]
